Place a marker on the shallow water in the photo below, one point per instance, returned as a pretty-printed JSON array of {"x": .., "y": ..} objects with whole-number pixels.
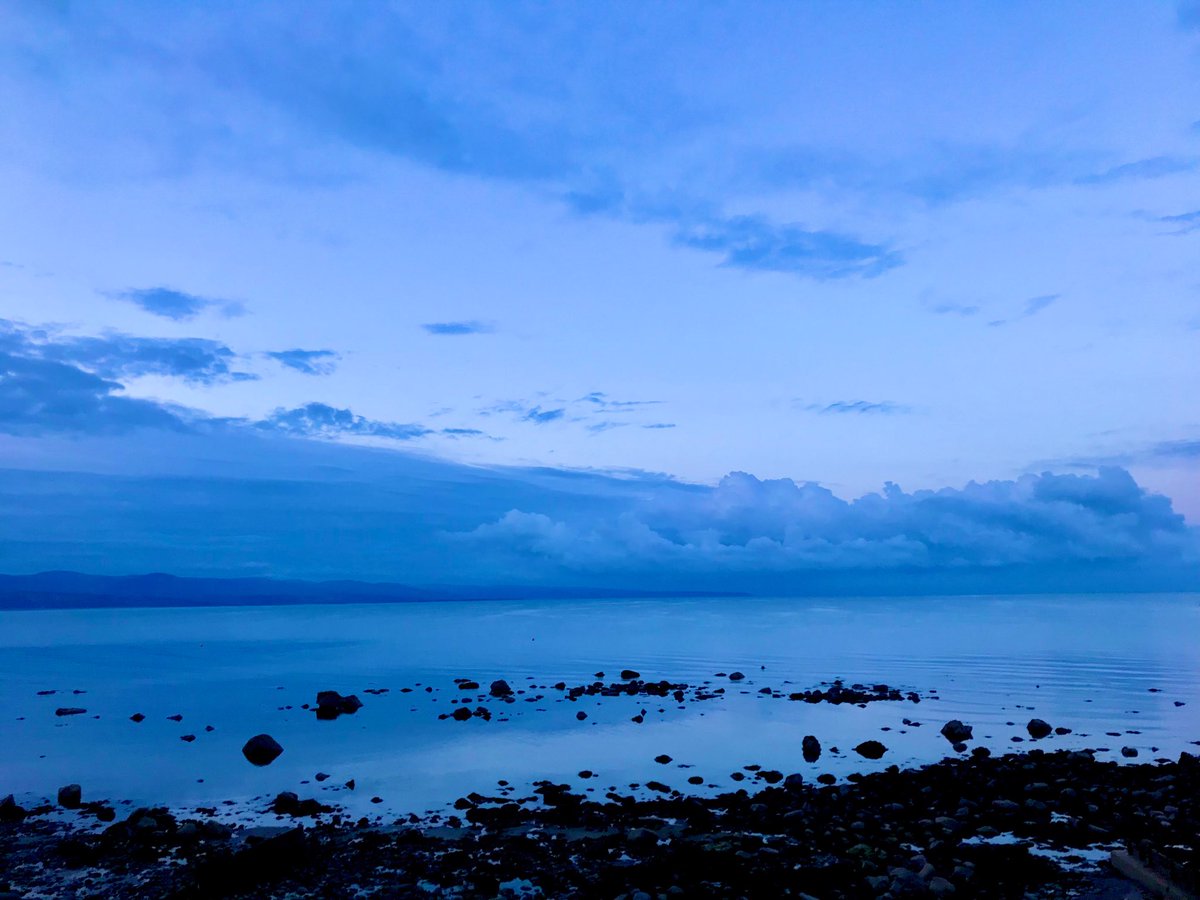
[{"x": 1085, "y": 662}]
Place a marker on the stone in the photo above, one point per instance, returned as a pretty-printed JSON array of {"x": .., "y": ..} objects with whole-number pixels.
[
  {"x": 811, "y": 748},
  {"x": 1129, "y": 752},
  {"x": 69, "y": 711},
  {"x": 70, "y": 796},
  {"x": 956, "y": 732},
  {"x": 261, "y": 750},
  {"x": 629, "y": 674},
  {"x": 1038, "y": 728},
  {"x": 870, "y": 749},
  {"x": 500, "y": 688}
]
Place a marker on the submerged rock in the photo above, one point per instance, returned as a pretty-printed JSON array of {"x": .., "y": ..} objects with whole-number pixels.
[
  {"x": 811, "y": 748},
  {"x": 261, "y": 750}
]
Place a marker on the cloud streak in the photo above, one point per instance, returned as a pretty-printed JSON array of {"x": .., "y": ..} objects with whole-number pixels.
[
  {"x": 449, "y": 329},
  {"x": 307, "y": 362},
  {"x": 179, "y": 306}
]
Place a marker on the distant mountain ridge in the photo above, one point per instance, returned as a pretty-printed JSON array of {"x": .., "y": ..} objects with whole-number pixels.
[{"x": 77, "y": 590}]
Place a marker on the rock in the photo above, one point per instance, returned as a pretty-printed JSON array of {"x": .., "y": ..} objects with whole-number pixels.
[
  {"x": 695, "y": 779},
  {"x": 468, "y": 685},
  {"x": 10, "y": 811},
  {"x": 736, "y": 676},
  {"x": 331, "y": 704},
  {"x": 69, "y": 711},
  {"x": 1129, "y": 752},
  {"x": 870, "y": 749},
  {"x": 461, "y": 714},
  {"x": 826, "y": 778},
  {"x": 811, "y": 748},
  {"x": 261, "y": 750},
  {"x": 956, "y": 732},
  {"x": 500, "y": 688},
  {"x": 137, "y": 717},
  {"x": 629, "y": 674},
  {"x": 662, "y": 759},
  {"x": 321, "y": 776},
  {"x": 940, "y": 887},
  {"x": 794, "y": 781},
  {"x": 187, "y": 738},
  {"x": 1038, "y": 728},
  {"x": 959, "y": 748},
  {"x": 70, "y": 796},
  {"x": 175, "y": 718},
  {"x": 581, "y": 715}
]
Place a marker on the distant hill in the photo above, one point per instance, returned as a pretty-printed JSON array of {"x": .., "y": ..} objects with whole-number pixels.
[{"x": 76, "y": 590}]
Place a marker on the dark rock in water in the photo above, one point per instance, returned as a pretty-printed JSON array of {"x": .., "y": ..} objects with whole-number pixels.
[
  {"x": 187, "y": 738},
  {"x": 794, "y": 781},
  {"x": 826, "y": 778},
  {"x": 331, "y": 704},
  {"x": 630, "y": 674},
  {"x": 811, "y": 748},
  {"x": 468, "y": 685},
  {"x": 1061, "y": 730},
  {"x": 981, "y": 752},
  {"x": 137, "y": 717},
  {"x": 662, "y": 759},
  {"x": 70, "y": 796},
  {"x": 736, "y": 676},
  {"x": 581, "y": 715},
  {"x": 261, "y": 750},
  {"x": 658, "y": 786},
  {"x": 771, "y": 776},
  {"x": 695, "y": 779},
  {"x": 870, "y": 749},
  {"x": 286, "y": 803},
  {"x": 956, "y": 732},
  {"x": 959, "y": 747},
  {"x": 461, "y": 714},
  {"x": 10, "y": 811},
  {"x": 321, "y": 776},
  {"x": 500, "y": 688},
  {"x": 175, "y": 718},
  {"x": 1038, "y": 728},
  {"x": 69, "y": 711},
  {"x": 1129, "y": 752}
]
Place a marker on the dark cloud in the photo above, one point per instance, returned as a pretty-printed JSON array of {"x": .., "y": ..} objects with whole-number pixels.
[
  {"x": 177, "y": 305},
  {"x": 322, "y": 420},
  {"x": 195, "y": 360},
  {"x": 309, "y": 362},
  {"x": 39, "y": 396},
  {"x": 458, "y": 328}
]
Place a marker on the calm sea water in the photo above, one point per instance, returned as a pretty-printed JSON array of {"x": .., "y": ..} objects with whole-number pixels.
[{"x": 1085, "y": 662}]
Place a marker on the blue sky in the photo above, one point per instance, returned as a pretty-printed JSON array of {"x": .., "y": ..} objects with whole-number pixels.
[{"x": 847, "y": 244}]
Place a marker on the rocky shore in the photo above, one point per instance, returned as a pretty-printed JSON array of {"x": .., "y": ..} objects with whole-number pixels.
[{"x": 973, "y": 826}]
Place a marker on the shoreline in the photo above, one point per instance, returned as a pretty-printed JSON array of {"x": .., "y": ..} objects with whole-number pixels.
[{"x": 976, "y": 826}]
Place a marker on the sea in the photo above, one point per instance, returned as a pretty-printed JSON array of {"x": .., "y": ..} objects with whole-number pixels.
[{"x": 1119, "y": 671}]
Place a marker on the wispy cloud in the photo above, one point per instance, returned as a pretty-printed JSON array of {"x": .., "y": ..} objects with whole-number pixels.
[
  {"x": 459, "y": 328},
  {"x": 954, "y": 309},
  {"x": 1154, "y": 167},
  {"x": 1032, "y": 307},
  {"x": 858, "y": 408},
  {"x": 309, "y": 362},
  {"x": 322, "y": 420},
  {"x": 179, "y": 306},
  {"x": 1185, "y": 223},
  {"x": 540, "y": 416}
]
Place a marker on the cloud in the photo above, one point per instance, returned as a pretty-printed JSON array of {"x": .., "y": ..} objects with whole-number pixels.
[
  {"x": 1155, "y": 167},
  {"x": 458, "y": 328},
  {"x": 602, "y": 401},
  {"x": 954, "y": 309},
  {"x": 1032, "y": 307},
  {"x": 539, "y": 416},
  {"x": 122, "y": 356},
  {"x": 1186, "y": 222},
  {"x": 749, "y": 525},
  {"x": 322, "y": 420},
  {"x": 858, "y": 407},
  {"x": 40, "y": 396},
  {"x": 309, "y": 362},
  {"x": 756, "y": 243},
  {"x": 177, "y": 305}
]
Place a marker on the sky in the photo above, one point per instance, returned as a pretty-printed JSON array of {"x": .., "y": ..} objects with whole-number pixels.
[{"x": 599, "y": 293}]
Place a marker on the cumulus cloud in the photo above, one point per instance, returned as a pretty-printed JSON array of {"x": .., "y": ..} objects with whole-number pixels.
[
  {"x": 177, "y": 305},
  {"x": 749, "y": 525},
  {"x": 308, "y": 362},
  {"x": 458, "y": 328},
  {"x": 322, "y": 420}
]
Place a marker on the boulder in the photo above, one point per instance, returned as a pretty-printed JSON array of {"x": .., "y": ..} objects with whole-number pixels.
[
  {"x": 500, "y": 688},
  {"x": 70, "y": 796},
  {"x": 956, "y": 732},
  {"x": 1129, "y": 752},
  {"x": 1038, "y": 728},
  {"x": 261, "y": 750},
  {"x": 870, "y": 749},
  {"x": 811, "y": 748},
  {"x": 331, "y": 704},
  {"x": 70, "y": 711},
  {"x": 629, "y": 674}
]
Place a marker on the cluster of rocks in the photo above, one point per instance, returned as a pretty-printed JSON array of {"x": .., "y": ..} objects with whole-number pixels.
[
  {"x": 964, "y": 827},
  {"x": 331, "y": 704}
]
